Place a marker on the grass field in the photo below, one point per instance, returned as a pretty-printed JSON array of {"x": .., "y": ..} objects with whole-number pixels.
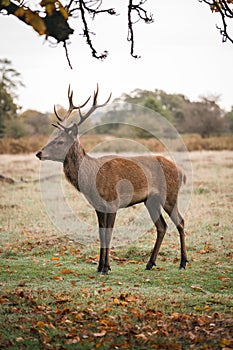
[{"x": 52, "y": 298}]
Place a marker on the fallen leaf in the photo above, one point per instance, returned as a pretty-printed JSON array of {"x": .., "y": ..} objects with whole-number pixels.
[
  {"x": 100, "y": 334},
  {"x": 202, "y": 307},
  {"x": 199, "y": 288},
  {"x": 66, "y": 271},
  {"x": 54, "y": 258},
  {"x": 40, "y": 324},
  {"x": 141, "y": 336},
  {"x": 21, "y": 284},
  {"x": 191, "y": 336},
  {"x": 19, "y": 339},
  {"x": 58, "y": 278},
  {"x": 224, "y": 279}
]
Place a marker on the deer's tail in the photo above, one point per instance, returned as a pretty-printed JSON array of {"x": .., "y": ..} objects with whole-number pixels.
[{"x": 182, "y": 177}]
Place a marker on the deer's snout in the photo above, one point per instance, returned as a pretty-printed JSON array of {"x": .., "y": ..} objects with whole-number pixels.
[{"x": 39, "y": 155}]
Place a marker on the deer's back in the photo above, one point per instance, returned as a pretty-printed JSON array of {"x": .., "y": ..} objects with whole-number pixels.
[{"x": 124, "y": 181}]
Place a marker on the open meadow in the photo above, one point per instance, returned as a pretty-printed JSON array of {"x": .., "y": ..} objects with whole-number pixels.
[{"x": 52, "y": 298}]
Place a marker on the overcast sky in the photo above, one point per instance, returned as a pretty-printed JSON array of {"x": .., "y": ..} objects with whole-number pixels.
[{"x": 181, "y": 52}]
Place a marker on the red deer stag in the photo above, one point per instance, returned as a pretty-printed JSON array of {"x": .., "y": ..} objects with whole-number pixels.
[{"x": 113, "y": 182}]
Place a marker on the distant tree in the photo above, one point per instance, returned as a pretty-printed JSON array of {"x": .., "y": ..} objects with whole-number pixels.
[
  {"x": 205, "y": 118},
  {"x": 35, "y": 123},
  {"x": 177, "y": 105},
  {"x": 148, "y": 99},
  {"x": 15, "y": 128},
  {"x": 229, "y": 119},
  {"x": 8, "y": 109},
  {"x": 10, "y": 80}
]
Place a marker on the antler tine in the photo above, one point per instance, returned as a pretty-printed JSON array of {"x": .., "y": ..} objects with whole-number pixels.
[
  {"x": 94, "y": 106},
  {"x": 95, "y": 98},
  {"x": 84, "y": 104},
  {"x": 71, "y": 107},
  {"x": 96, "y": 95},
  {"x": 56, "y": 114},
  {"x": 105, "y": 103},
  {"x": 55, "y": 125}
]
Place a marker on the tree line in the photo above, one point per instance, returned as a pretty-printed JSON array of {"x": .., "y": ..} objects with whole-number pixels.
[{"x": 204, "y": 117}]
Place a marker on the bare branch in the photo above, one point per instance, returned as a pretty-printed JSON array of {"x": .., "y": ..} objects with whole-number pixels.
[
  {"x": 141, "y": 15},
  {"x": 86, "y": 33},
  {"x": 226, "y": 12},
  {"x": 52, "y": 21},
  {"x": 67, "y": 55}
]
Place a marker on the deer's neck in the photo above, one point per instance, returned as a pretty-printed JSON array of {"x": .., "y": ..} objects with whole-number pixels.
[{"x": 72, "y": 163}]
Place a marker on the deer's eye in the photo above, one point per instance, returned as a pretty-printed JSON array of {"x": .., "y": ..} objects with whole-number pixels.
[{"x": 60, "y": 142}]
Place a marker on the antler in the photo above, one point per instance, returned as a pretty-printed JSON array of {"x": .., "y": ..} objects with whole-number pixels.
[
  {"x": 71, "y": 106},
  {"x": 94, "y": 106}
]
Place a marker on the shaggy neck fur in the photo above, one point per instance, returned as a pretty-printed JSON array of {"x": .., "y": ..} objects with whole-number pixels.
[{"x": 72, "y": 162}]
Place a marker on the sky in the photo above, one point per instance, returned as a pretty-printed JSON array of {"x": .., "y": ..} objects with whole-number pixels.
[{"x": 181, "y": 52}]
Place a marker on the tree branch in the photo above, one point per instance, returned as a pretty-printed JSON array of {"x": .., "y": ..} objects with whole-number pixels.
[
  {"x": 141, "y": 15},
  {"x": 54, "y": 25},
  {"x": 52, "y": 19},
  {"x": 86, "y": 33},
  {"x": 226, "y": 12}
]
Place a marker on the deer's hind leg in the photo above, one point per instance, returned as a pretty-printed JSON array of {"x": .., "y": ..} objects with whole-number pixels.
[
  {"x": 154, "y": 208},
  {"x": 179, "y": 222},
  {"x": 102, "y": 220}
]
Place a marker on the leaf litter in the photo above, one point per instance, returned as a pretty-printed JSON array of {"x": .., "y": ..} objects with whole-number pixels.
[{"x": 124, "y": 320}]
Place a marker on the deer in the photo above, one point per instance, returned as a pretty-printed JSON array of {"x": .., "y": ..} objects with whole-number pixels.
[{"x": 113, "y": 182}]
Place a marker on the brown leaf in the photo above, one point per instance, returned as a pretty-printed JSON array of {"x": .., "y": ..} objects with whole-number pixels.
[
  {"x": 100, "y": 334},
  {"x": 2, "y": 300},
  {"x": 141, "y": 336},
  {"x": 54, "y": 258},
  {"x": 19, "y": 339},
  {"x": 67, "y": 271},
  {"x": 58, "y": 278},
  {"x": 40, "y": 324},
  {"x": 21, "y": 284},
  {"x": 224, "y": 279}
]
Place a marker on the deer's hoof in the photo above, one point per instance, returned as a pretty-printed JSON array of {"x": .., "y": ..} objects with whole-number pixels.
[
  {"x": 149, "y": 265},
  {"x": 183, "y": 264},
  {"x": 105, "y": 270},
  {"x": 104, "y": 273}
]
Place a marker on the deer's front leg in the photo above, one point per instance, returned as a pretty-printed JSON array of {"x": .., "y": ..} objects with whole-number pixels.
[
  {"x": 106, "y": 223},
  {"x": 102, "y": 220},
  {"x": 108, "y": 236},
  {"x": 101, "y": 259}
]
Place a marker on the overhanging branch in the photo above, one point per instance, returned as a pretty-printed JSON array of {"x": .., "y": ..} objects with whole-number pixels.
[
  {"x": 51, "y": 19},
  {"x": 225, "y": 9},
  {"x": 141, "y": 14}
]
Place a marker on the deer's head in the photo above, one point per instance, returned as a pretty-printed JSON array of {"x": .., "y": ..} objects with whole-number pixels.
[{"x": 59, "y": 146}]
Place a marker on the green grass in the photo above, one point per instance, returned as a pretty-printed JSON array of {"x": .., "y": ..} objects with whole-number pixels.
[{"x": 52, "y": 298}]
